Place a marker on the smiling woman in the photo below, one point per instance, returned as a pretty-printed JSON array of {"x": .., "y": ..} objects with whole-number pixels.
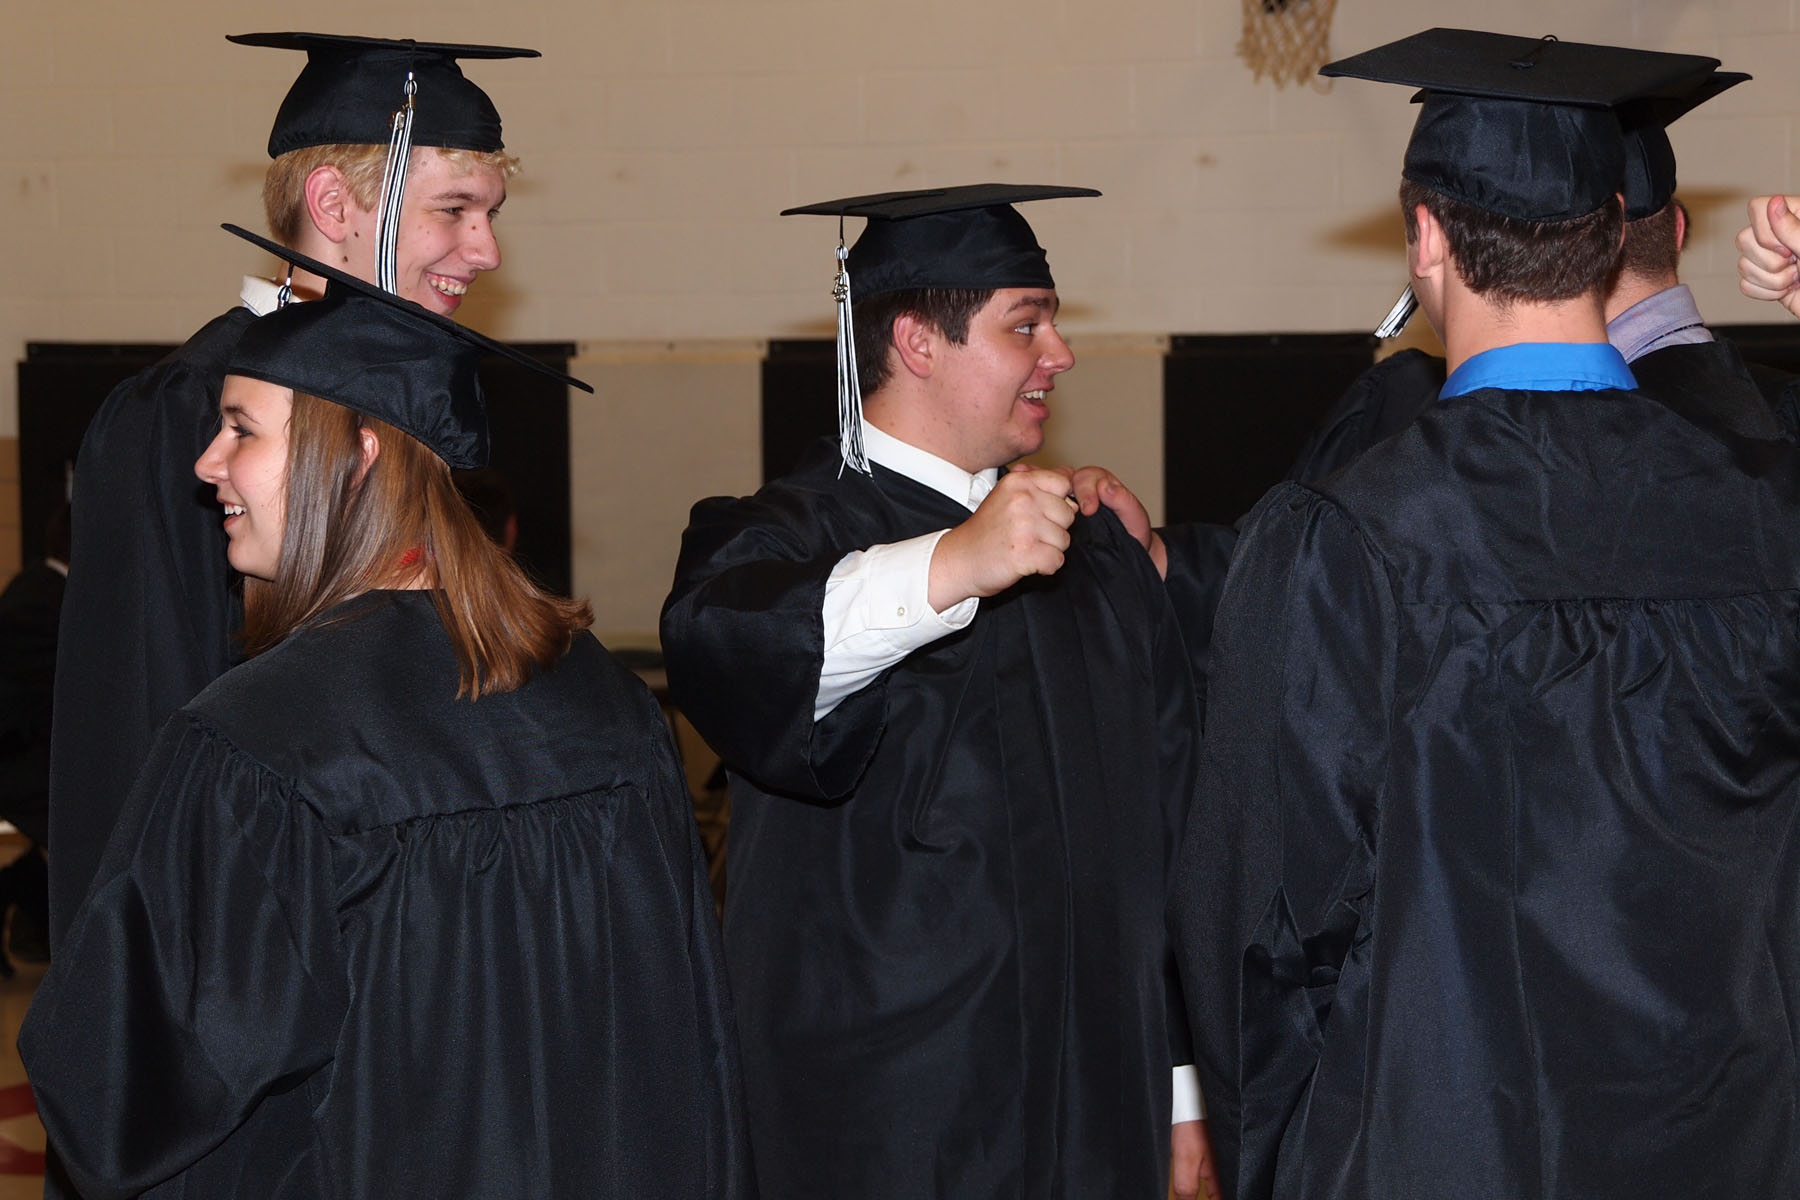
[
  {"x": 410, "y": 902},
  {"x": 247, "y": 462}
]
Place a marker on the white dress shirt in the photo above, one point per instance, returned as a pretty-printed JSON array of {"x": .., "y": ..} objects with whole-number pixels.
[
  {"x": 876, "y": 611},
  {"x": 259, "y": 295}
]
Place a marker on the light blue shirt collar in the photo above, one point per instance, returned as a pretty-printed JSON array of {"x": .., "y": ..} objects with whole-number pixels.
[{"x": 1542, "y": 367}]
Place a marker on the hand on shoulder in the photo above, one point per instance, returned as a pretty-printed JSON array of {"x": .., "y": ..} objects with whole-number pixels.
[{"x": 1095, "y": 486}]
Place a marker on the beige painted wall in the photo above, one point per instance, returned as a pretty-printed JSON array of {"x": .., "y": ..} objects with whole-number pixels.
[
  {"x": 667, "y": 424},
  {"x": 661, "y": 137},
  {"x": 1108, "y": 410}
]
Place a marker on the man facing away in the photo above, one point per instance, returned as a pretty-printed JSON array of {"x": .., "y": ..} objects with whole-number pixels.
[
  {"x": 1491, "y": 888},
  {"x": 149, "y": 613},
  {"x": 958, "y": 722},
  {"x": 1651, "y": 318}
]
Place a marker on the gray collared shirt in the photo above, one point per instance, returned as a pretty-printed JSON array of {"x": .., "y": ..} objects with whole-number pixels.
[{"x": 1669, "y": 318}]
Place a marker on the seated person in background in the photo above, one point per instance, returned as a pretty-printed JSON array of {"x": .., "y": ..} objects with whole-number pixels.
[
  {"x": 29, "y": 610},
  {"x": 485, "y": 491},
  {"x": 410, "y": 903}
]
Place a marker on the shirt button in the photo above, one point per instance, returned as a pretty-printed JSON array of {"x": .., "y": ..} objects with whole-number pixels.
[{"x": 901, "y": 611}]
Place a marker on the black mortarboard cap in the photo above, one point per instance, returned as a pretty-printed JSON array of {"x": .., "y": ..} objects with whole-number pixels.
[
  {"x": 381, "y": 355},
  {"x": 966, "y": 237},
  {"x": 1649, "y": 158},
  {"x": 1527, "y": 128},
  {"x": 351, "y": 87}
]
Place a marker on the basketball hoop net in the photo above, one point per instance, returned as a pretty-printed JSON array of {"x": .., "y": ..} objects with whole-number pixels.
[{"x": 1288, "y": 40}]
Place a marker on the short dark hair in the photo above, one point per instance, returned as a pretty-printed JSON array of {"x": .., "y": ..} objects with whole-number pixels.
[
  {"x": 947, "y": 310},
  {"x": 1650, "y": 246},
  {"x": 1506, "y": 260}
]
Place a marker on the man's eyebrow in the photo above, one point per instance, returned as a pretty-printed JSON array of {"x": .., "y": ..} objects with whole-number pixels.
[
  {"x": 465, "y": 197},
  {"x": 1037, "y": 302}
]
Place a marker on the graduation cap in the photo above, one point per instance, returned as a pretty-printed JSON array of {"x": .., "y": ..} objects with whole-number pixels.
[
  {"x": 1526, "y": 128},
  {"x": 351, "y": 87},
  {"x": 964, "y": 238},
  {"x": 1649, "y": 159},
  {"x": 381, "y": 355},
  {"x": 362, "y": 91}
]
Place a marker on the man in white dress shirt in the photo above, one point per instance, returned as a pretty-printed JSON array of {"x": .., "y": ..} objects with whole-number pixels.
[{"x": 959, "y": 724}]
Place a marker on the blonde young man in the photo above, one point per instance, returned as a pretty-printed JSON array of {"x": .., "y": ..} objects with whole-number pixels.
[{"x": 149, "y": 612}]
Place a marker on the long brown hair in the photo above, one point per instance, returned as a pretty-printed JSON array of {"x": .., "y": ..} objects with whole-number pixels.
[{"x": 348, "y": 530}]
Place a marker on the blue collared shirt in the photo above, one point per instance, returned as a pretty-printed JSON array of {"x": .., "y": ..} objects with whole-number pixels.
[{"x": 1542, "y": 367}]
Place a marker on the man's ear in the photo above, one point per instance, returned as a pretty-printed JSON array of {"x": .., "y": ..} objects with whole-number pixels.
[
  {"x": 1681, "y": 226},
  {"x": 917, "y": 344},
  {"x": 1428, "y": 252},
  {"x": 329, "y": 202}
]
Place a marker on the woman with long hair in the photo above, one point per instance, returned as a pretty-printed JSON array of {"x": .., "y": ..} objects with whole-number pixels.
[{"x": 409, "y": 903}]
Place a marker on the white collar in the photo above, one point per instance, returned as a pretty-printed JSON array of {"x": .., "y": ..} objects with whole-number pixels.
[
  {"x": 260, "y": 295},
  {"x": 922, "y": 466}
]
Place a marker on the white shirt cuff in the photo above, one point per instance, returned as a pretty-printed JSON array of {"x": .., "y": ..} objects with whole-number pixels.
[
  {"x": 1188, "y": 1106},
  {"x": 876, "y": 612}
]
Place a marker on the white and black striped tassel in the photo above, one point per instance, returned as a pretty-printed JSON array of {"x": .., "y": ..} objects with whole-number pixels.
[
  {"x": 393, "y": 191},
  {"x": 849, "y": 388}
]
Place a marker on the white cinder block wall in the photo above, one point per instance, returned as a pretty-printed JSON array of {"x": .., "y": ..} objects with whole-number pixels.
[{"x": 660, "y": 137}]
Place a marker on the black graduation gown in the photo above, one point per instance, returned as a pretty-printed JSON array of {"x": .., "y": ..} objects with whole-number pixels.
[
  {"x": 147, "y": 618},
  {"x": 1493, "y": 887},
  {"x": 358, "y": 938},
  {"x": 1709, "y": 383},
  {"x": 945, "y": 921},
  {"x": 1379, "y": 403},
  {"x": 1199, "y": 556}
]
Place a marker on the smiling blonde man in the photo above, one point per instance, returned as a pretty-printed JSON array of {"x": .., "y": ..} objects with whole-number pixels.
[{"x": 149, "y": 612}]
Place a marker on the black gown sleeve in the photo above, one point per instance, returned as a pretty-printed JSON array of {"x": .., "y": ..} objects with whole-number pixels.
[
  {"x": 148, "y": 614},
  {"x": 743, "y": 639},
  {"x": 201, "y": 976},
  {"x": 1379, "y": 403},
  {"x": 727, "y": 1150},
  {"x": 1177, "y": 720},
  {"x": 1199, "y": 558},
  {"x": 1278, "y": 860}
]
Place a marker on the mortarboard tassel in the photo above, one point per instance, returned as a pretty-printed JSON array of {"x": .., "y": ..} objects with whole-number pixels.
[
  {"x": 1399, "y": 315},
  {"x": 849, "y": 388},
  {"x": 393, "y": 191}
]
